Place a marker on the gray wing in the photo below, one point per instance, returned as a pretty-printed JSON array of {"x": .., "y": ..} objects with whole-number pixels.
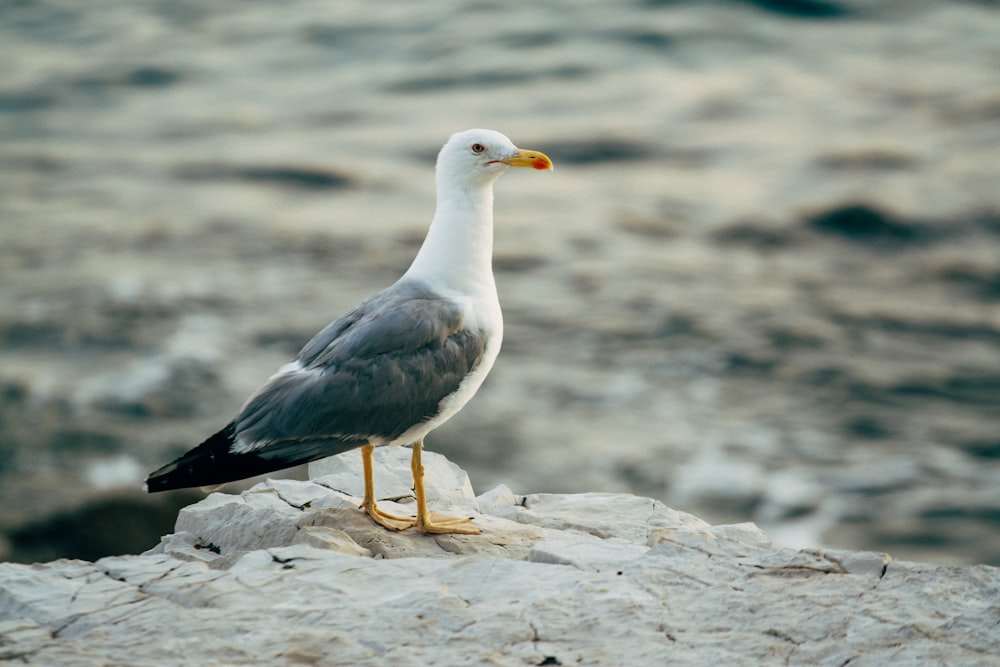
[{"x": 370, "y": 375}]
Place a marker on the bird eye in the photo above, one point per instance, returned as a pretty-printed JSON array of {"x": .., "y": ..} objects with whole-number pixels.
[{"x": 478, "y": 148}]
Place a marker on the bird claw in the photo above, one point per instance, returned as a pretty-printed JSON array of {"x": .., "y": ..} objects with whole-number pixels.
[
  {"x": 386, "y": 520},
  {"x": 438, "y": 524}
]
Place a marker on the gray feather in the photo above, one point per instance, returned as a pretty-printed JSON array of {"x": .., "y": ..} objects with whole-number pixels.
[{"x": 368, "y": 376}]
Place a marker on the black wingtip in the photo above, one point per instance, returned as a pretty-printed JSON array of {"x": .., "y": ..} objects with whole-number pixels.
[
  {"x": 213, "y": 462},
  {"x": 207, "y": 464}
]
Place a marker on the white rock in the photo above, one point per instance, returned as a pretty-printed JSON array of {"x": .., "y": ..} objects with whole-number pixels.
[
  {"x": 293, "y": 573},
  {"x": 586, "y": 554},
  {"x": 325, "y": 537}
]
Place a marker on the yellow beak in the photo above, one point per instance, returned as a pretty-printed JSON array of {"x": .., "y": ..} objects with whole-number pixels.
[{"x": 533, "y": 159}]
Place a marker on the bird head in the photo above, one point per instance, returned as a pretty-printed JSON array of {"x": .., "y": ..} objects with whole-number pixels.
[{"x": 478, "y": 157}]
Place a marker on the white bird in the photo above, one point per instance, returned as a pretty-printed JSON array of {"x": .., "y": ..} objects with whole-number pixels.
[{"x": 395, "y": 367}]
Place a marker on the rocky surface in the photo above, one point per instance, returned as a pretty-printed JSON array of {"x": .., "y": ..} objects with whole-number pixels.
[
  {"x": 291, "y": 572},
  {"x": 761, "y": 284}
]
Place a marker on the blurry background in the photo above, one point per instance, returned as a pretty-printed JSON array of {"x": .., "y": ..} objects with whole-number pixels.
[{"x": 762, "y": 283}]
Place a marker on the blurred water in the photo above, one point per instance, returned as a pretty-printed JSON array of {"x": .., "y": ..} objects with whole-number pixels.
[{"x": 762, "y": 283}]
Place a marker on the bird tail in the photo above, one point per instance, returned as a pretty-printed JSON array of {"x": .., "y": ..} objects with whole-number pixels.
[{"x": 208, "y": 464}]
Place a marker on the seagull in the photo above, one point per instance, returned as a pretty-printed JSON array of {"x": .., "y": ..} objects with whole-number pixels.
[{"x": 394, "y": 368}]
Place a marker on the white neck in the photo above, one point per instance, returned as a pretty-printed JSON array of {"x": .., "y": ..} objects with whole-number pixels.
[{"x": 458, "y": 251}]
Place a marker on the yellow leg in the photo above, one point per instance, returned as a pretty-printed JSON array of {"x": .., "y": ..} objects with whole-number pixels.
[
  {"x": 427, "y": 522},
  {"x": 389, "y": 521}
]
